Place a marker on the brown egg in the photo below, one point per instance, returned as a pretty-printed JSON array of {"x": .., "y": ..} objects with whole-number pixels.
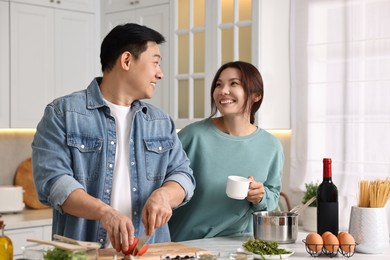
[
  {"x": 347, "y": 242},
  {"x": 325, "y": 234},
  {"x": 341, "y": 234},
  {"x": 314, "y": 242},
  {"x": 331, "y": 243}
]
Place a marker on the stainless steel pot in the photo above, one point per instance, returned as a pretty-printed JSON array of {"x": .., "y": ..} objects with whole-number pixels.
[{"x": 281, "y": 227}]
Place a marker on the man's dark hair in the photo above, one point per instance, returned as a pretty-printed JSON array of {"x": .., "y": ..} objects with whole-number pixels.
[{"x": 129, "y": 37}]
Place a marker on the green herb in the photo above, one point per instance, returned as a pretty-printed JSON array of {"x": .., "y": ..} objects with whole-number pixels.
[
  {"x": 60, "y": 254},
  {"x": 260, "y": 247},
  {"x": 311, "y": 191}
]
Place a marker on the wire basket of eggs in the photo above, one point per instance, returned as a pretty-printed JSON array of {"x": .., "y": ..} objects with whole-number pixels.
[{"x": 330, "y": 245}]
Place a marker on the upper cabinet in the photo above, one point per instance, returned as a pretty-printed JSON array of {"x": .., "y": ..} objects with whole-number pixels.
[
  {"x": 110, "y": 6},
  {"x": 208, "y": 34},
  {"x": 88, "y": 6},
  {"x": 54, "y": 51},
  {"x": 49, "y": 48},
  {"x": 154, "y": 14},
  {"x": 4, "y": 64}
]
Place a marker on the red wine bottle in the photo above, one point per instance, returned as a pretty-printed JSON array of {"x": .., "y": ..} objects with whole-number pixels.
[{"x": 327, "y": 202}]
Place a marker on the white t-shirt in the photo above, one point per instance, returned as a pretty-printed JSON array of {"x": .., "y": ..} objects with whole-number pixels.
[{"x": 121, "y": 196}]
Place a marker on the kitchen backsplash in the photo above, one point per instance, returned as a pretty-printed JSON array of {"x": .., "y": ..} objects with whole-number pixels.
[{"x": 15, "y": 147}]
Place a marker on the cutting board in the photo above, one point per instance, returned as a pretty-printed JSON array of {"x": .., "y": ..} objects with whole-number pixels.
[
  {"x": 24, "y": 178},
  {"x": 154, "y": 252}
]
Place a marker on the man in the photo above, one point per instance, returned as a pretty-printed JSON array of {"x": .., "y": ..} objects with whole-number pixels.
[{"x": 110, "y": 165}]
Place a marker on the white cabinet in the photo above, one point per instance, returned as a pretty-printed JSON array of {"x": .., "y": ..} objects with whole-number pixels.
[
  {"x": 122, "y": 5},
  {"x": 4, "y": 64},
  {"x": 76, "y": 5},
  {"x": 53, "y": 52},
  {"x": 30, "y": 223},
  {"x": 156, "y": 17},
  {"x": 19, "y": 237}
]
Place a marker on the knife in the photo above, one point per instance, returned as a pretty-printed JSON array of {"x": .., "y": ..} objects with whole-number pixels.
[{"x": 141, "y": 242}]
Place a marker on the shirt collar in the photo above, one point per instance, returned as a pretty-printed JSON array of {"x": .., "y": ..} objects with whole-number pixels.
[{"x": 95, "y": 97}]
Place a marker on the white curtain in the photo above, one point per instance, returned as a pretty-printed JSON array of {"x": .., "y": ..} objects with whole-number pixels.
[{"x": 340, "y": 71}]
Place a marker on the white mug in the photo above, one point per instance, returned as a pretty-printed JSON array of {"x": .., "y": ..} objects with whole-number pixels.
[{"x": 237, "y": 187}]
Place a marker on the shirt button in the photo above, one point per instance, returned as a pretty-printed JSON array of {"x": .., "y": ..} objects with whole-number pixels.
[
  {"x": 134, "y": 189},
  {"x": 108, "y": 191},
  {"x": 135, "y": 212},
  {"x": 112, "y": 142},
  {"x": 82, "y": 146},
  {"x": 132, "y": 163},
  {"x": 101, "y": 240},
  {"x": 131, "y": 140},
  {"x": 110, "y": 165},
  {"x": 159, "y": 148}
]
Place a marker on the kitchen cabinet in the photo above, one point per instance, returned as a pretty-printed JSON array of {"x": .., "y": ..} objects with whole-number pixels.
[
  {"x": 75, "y": 5},
  {"x": 4, "y": 64},
  {"x": 110, "y": 6},
  {"x": 19, "y": 237},
  {"x": 53, "y": 52},
  {"x": 30, "y": 223},
  {"x": 154, "y": 14}
]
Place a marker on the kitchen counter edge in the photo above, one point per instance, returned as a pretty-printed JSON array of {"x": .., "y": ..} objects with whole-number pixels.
[{"x": 27, "y": 218}]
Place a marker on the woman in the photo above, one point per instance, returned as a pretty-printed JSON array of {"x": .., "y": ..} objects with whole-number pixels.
[{"x": 225, "y": 145}]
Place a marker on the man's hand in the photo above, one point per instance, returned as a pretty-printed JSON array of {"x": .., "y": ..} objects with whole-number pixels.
[
  {"x": 158, "y": 208},
  {"x": 119, "y": 228}
]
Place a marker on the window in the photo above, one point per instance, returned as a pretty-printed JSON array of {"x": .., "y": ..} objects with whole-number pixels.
[{"x": 341, "y": 85}]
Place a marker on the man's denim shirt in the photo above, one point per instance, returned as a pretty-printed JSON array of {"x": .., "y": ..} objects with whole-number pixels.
[{"x": 74, "y": 147}]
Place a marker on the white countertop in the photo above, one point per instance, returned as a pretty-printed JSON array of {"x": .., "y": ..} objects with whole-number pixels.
[
  {"x": 27, "y": 218},
  {"x": 226, "y": 245}
]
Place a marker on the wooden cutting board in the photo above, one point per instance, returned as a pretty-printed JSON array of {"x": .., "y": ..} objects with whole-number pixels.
[
  {"x": 154, "y": 252},
  {"x": 24, "y": 178}
]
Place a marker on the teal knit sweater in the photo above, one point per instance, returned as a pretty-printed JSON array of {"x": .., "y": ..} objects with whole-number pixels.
[{"x": 214, "y": 156}]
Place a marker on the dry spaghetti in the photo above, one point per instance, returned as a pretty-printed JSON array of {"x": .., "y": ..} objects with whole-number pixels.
[{"x": 374, "y": 194}]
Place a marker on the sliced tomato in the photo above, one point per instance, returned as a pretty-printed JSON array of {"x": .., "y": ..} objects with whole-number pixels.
[
  {"x": 142, "y": 250},
  {"x": 131, "y": 247}
]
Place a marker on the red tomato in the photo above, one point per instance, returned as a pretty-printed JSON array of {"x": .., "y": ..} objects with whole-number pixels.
[
  {"x": 131, "y": 247},
  {"x": 142, "y": 250}
]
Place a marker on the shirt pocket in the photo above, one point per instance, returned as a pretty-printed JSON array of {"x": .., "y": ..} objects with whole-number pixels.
[
  {"x": 86, "y": 156},
  {"x": 85, "y": 144},
  {"x": 157, "y": 157}
]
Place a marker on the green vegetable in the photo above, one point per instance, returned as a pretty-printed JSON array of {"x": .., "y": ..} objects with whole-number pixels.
[
  {"x": 60, "y": 254},
  {"x": 260, "y": 247}
]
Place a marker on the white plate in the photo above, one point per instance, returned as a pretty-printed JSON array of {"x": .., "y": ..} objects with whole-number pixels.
[{"x": 282, "y": 256}]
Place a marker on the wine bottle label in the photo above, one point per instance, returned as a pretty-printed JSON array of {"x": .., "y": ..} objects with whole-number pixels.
[{"x": 328, "y": 217}]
